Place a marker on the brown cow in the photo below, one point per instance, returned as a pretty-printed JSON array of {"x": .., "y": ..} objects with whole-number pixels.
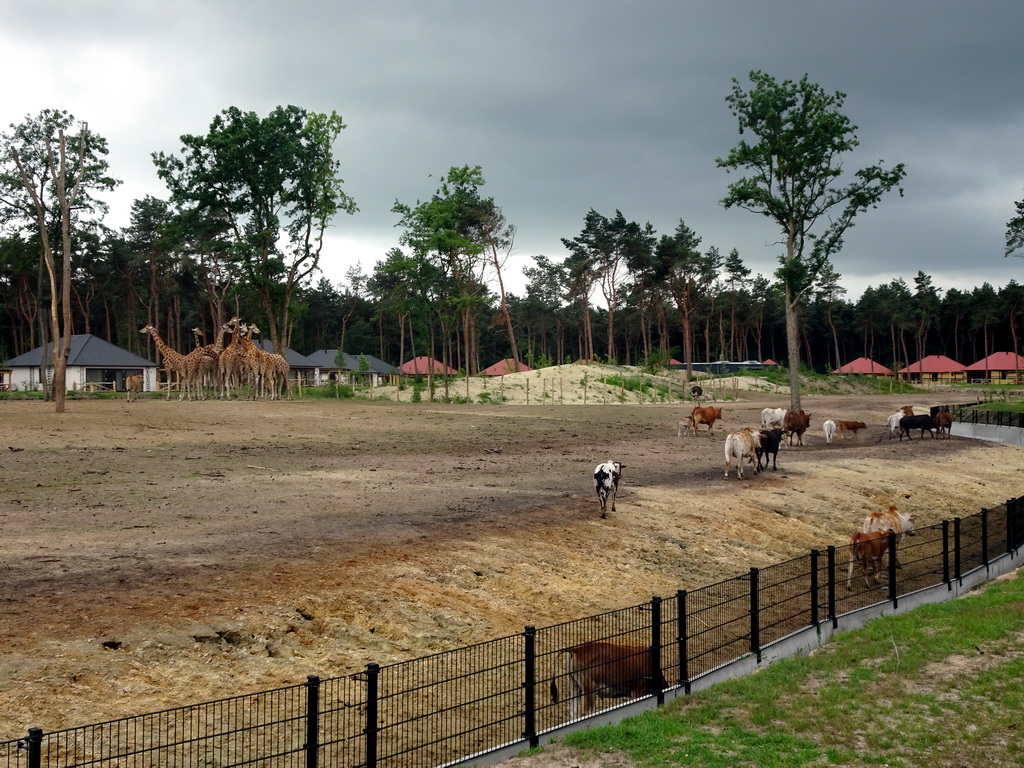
[
  {"x": 797, "y": 422},
  {"x": 868, "y": 548},
  {"x": 851, "y": 426},
  {"x": 706, "y": 414},
  {"x": 943, "y": 423},
  {"x": 608, "y": 671}
]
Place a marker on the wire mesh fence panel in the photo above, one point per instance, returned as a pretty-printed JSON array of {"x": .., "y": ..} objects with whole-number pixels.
[
  {"x": 971, "y": 542},
  {"x": 13, "y": 754},
  {"x": 627, "y": 629},
  {"x": 997, "y": 533},
  {"x": 445, "y": 707},
  {"x": 784, "y": 599},
  {"x": 266, "y": 727},
  {"x": 343, "y": 707},
  {"x": 920, "y": 560},
  {"x": 718, "y": 624}
]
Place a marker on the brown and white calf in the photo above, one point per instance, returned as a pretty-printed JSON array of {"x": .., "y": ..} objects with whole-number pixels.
[
  {"x": 867, "y": 549},
  {"x": 608, "y": 671}
]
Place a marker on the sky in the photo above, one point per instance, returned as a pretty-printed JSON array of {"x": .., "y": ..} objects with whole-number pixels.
[{"x": 566, "y": 106}]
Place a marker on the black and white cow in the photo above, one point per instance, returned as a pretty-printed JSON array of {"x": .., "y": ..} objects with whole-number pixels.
[{"x": 606, "y": 481}]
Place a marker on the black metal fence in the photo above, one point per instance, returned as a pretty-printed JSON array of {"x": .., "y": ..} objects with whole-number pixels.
[
  {"x": 969, "y": 415},
  {"x": 447, "y": 707}
]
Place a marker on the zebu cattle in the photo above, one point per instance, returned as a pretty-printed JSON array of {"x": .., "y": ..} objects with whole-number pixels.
[
  {"x": 851, "y": 426},
  {"x": 740, "y": 446},
  {"x": 797, "y": 422},
  {"x": 891, "y": 519},
  {"x": 829, "y": 428},
  {"x": 922, "y": 422},
  {"x": 867, "y": 548},
  {"x": 894, "y": 424},
  {"x": 607, "y": 671},
  {"x": 700, "y": 415},
  {"x": 773, "y": 417},
  {"x": 943, "y": 423},
  {"x": 606, "y": 482},
  {"x": 771, "y": 440}
]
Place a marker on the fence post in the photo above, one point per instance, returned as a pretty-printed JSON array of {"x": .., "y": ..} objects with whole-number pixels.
[
  {"x": 956, "y": 551},
  {"x": 34, "y": 745},
  {"x": 656, "y": 670},
  {"x": 892, "y": 568},
  {"x": 312, "y": 721},
  {"x": 530, "y": 687},
  {"x": 984, "y": 537},
  {"x": 682, "y": 641},
  {"x": 371, "y": 730},
  {"x": 814, "y": 588},
  {"x": 945, "y": 555},
  {"x": 831, "y": 556},
  {"x": 755, "y": 615}
]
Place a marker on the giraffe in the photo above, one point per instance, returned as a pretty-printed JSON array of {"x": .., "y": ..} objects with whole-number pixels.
[
  {"x": 173, "y": 361},
  {"x": 252, "y": 358},
  {"x": 231, "y": 358},
  {"x": 209, "y": 364}
]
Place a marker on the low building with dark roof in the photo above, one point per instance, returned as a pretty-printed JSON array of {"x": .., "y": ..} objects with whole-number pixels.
[{"x": 94, "y": 365}]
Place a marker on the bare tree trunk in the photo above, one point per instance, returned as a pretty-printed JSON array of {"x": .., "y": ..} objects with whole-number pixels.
[{"x": 793, "y": 349}]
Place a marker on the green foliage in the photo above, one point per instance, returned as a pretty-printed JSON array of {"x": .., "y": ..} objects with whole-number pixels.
[
  {"x": 330, "y": 391},
  {"x": 417, "y": 390}
]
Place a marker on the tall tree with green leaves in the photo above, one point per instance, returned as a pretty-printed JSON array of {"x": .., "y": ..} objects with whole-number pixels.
[
  {"x": 463, "y": 232},
  {"x": 51, "y": 169},
  {"x": 796, "y": 180},
  {"x": 829, "y": 290},
  {"x": 606, "y": 247},
  {"x": 689, "y": 274},
  {"x": 275, "y": 181}
]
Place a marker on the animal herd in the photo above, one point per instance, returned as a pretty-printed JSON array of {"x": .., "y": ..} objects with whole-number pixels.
[{"x": 611, "y": 670}]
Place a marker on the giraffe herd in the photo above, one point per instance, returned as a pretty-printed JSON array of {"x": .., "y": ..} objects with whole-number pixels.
[{"x": 220, "y": 370}]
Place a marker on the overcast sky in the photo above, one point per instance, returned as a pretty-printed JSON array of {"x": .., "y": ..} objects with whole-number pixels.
[{"x": 567, "y": 105}]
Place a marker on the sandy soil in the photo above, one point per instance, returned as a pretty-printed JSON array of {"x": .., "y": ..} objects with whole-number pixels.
[{"x": 162, "y": 553}]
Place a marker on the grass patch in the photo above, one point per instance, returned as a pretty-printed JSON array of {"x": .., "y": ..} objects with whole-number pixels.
[{"x": 893, "y": 693}]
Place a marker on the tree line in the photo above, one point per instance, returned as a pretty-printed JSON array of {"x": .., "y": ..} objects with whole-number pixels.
[{"x": 241, "y": 232}]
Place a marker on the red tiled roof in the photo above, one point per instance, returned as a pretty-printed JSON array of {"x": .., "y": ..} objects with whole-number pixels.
[
  {"x": 425, "y": 364},
  {"x": 999, "y": 361},
  {"x": 508, "y": 365},
  {"x": 934, "y": 364},
  {"x": 862, "y": 365}
]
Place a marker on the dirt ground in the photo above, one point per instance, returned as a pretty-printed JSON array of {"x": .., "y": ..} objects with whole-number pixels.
[{"x": 159, "y": 553}]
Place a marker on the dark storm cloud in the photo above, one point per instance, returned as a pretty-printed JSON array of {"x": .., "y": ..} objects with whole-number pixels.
[{"x": 571, "y": 106}]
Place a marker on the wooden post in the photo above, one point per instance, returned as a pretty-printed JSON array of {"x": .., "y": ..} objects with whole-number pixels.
[{"x": 527, "y": 391}]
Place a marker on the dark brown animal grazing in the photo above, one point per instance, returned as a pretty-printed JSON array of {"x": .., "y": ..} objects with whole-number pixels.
[
  {"x": 608, "y": 671},
  {"x": 868, "y": 549}
]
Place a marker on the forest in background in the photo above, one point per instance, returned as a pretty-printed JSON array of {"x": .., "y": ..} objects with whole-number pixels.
[
  {"x": 120, "y": 282},
  {"x": 241, "y": 233}
]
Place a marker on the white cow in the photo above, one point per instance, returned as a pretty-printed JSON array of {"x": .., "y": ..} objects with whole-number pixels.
[
  {"x": 773, "y": 417},
  {"x": 894, "y": 424},
  {"x": 606, "y": 481},
  {"x": 829, "y": 428},
  {"x": 739, "y": 446}
]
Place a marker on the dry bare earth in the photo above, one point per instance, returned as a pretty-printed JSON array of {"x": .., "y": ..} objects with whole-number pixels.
[{"x": 158, "y": 554}]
